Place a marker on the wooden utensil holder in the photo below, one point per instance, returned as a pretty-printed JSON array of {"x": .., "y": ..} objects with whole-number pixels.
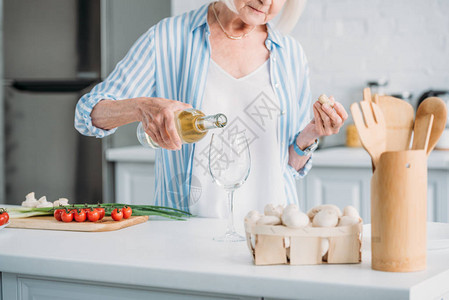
[
  {"x": 282, "y": 245},
  {"x": 399, "y": 212}
]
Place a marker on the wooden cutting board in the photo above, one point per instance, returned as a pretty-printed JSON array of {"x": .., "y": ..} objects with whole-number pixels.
[{"x": 49, "y": 223}]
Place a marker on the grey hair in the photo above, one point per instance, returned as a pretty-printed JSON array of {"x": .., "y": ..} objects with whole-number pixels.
[
  {"x": 290, "y": 15},
  {"x": 288, "y": 18}
]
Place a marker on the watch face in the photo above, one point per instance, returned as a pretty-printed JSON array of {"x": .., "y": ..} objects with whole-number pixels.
[{"x": 311, "y": 148}]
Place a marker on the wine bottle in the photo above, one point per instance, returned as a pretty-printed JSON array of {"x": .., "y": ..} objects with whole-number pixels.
[{"x": 192, "y": 125}]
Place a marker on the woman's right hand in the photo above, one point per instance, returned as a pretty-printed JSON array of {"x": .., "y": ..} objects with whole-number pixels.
[{"x": 158, "y": 120}]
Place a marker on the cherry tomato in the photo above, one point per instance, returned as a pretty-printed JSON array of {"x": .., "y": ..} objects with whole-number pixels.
[
  {"x": 127, "y": 212},
  {"x": 7, "y": 216},
  {"x": 101, "y": 211},
  {"x": 57, "y": 214},
  {"x": 80, "y": 215},
  {"x": 93, "y": 216},
  {"x": 67, "y": 216},
  {"x": 117, "y": 214},
  {"x": 4, "y": 217}
]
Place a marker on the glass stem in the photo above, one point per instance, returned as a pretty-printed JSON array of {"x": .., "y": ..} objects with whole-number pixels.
[{"x": 231, "y": 211}]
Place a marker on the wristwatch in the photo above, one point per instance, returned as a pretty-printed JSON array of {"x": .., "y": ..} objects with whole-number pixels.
[{"x": 309, "y": 150}]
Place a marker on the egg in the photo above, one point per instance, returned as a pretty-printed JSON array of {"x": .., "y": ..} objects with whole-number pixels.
[
  {"x": 289, "y": 208},
  {"x": 351, "y": 211},
  {"x": 325, "y": 218},
  {"x": 348, "y": 220},
  {"x": 271, "y": 210},
  {"x": 252, "y": 217},
  {"x": 295, "y": 219},
  {"x": 319, "y": 208},
  {"x": 269, "y": 220}
]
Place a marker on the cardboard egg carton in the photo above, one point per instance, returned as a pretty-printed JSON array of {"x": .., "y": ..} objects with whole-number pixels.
[{"x": 278, "y": 244}]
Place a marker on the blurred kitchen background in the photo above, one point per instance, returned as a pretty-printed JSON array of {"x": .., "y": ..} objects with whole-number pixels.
[{"x": 54, "y": 50}]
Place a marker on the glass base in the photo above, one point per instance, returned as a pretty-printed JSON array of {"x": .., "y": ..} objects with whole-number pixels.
[{"x": 230, "y": 237}]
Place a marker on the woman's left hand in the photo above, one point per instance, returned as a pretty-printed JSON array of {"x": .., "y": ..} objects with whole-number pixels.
[{"x": 328, "y": 120}]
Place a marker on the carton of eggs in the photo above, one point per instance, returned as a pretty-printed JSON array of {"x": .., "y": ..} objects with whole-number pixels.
[
  {"x": 291, "y": 216},
  {"x": 286, "y": 235}
]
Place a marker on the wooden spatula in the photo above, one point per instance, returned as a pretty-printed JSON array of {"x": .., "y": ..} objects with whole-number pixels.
[
  {"x": 399, "y": 116},
  {"x": 437, "y": 107},
  {"x": 421, "y": 131},
  {"x": 370, "y": 124}
]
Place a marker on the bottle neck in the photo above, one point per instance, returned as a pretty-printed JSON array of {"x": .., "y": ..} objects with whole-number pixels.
[{"x": 210, "y": 122}]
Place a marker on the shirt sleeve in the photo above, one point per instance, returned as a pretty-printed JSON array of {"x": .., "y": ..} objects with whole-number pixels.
[
  {"x": 306, "y": 114},
  {"x": 303, "y": 171},
  {"x": 134, "y": 76}
]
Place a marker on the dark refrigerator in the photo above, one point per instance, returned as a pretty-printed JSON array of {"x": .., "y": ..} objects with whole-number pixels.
[{"x": 51, "y": 57}]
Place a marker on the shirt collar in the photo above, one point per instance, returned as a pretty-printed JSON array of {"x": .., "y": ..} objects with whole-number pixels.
[
  {"x": 274, "y": 36},
  {"x": 200, "y": 18}
]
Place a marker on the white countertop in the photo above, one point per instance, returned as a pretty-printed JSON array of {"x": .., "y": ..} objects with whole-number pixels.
[
  {"x": 182, "y": 255},
  {"x": 328, "y": 157},
  {"x": 359, "y": 158}
]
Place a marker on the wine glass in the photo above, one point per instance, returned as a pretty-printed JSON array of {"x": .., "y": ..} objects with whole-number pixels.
[{"x": 229, "y": 165}]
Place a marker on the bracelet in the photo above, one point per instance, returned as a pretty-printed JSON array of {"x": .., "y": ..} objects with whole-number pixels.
[{"x": 308, "y": 150}]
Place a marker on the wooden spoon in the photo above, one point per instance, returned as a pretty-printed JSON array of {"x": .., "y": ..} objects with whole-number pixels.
[
  {"x": 421, "y": 132},
  {"x": 399, "y": 116},
  {"x": 437, "y": 107}
]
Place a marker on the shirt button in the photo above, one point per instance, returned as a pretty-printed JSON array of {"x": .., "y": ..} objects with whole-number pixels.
[
  {"x": 277, "y": 85},
  {"x": 274, "y": 58},
  {"x": 283, "y": 112},
  {"x": 283, "y": 144}
]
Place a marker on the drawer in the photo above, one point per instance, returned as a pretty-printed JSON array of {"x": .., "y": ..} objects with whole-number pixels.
[{"x": 21, "y": 287}]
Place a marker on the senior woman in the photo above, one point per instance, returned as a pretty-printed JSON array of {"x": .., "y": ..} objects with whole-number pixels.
[{"x": 223, "y": 57}]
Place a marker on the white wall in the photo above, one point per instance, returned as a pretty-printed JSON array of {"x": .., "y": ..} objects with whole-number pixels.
[{"x": 349, "y": 42}]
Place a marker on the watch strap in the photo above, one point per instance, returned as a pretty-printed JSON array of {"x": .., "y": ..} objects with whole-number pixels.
[{"x": 310, "y": 149}]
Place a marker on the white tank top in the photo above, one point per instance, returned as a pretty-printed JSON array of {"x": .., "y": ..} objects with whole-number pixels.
[{"x": 249, "y": 103}]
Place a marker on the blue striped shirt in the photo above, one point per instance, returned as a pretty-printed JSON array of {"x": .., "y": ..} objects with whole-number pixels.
[{"x": 171, "y": 61}]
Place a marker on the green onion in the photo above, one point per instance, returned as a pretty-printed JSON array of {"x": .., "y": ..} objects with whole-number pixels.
[{"x": 17, "y": 211}]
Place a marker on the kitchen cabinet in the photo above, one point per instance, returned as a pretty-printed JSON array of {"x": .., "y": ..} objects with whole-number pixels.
[
  {"x": 24, "y": 287},
  {"x": 340, "y": 176},
  {"x": 340, "y": 186},
  {"x": 135, "y": 183},
  {"x": 133, "y": 174},
  {"x": 437, "y": 195}
]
